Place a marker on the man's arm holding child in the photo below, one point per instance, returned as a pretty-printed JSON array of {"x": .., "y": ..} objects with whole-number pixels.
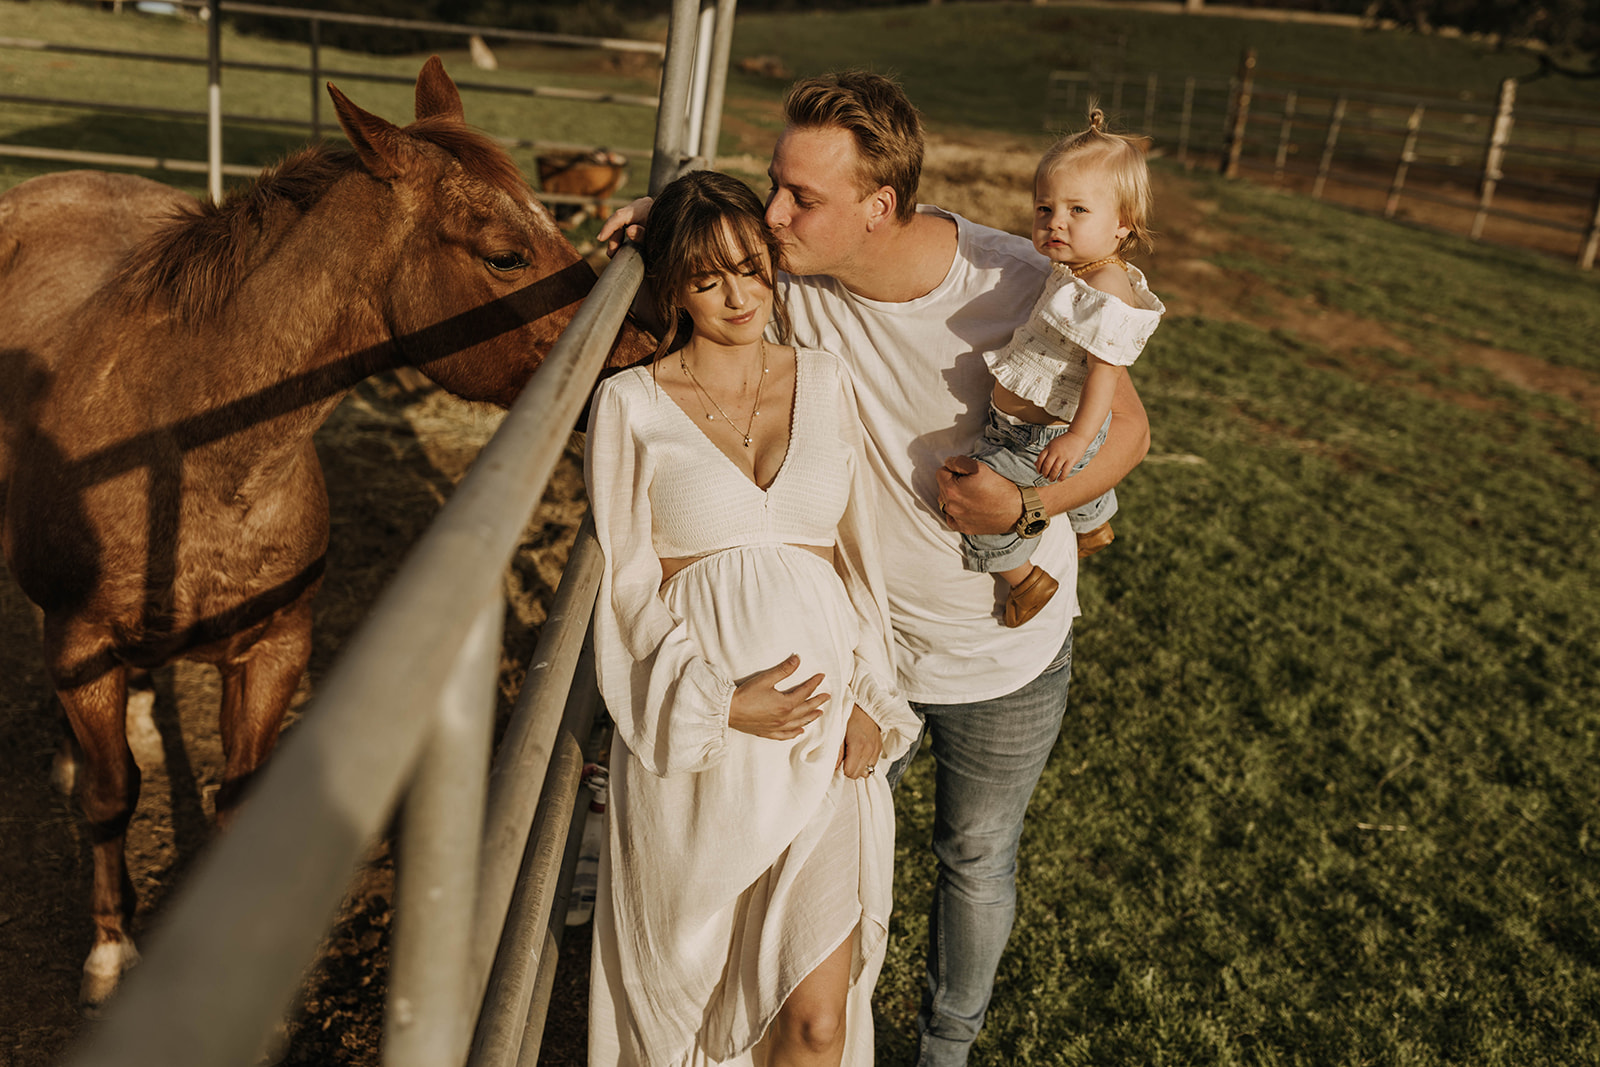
[{"x": 979, "y": 501}]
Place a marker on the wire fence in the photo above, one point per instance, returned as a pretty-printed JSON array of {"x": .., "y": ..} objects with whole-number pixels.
[
  {"x": 1495, "y": 171},
  {"x": 313, "y": 121}
]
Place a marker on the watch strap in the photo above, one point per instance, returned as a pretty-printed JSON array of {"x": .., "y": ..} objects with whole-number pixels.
[{"x": 1034, "y": 518}]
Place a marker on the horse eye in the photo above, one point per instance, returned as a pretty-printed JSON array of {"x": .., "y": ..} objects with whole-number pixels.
[{"x": 505, "y": 262}]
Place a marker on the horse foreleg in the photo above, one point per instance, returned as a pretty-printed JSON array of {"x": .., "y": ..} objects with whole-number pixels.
[
  {"x": 108, "y": 792},
  {"x": 256, "y": 690},
  {"x": 67, "y": 763}
]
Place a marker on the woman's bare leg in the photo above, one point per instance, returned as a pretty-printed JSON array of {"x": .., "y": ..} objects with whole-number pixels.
[{"x": 809, "y": 1030}]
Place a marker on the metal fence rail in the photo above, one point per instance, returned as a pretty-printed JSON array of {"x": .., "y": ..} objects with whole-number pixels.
[
  {"x": 215, "y": 166},
  {"x": 405, "y": 715}
]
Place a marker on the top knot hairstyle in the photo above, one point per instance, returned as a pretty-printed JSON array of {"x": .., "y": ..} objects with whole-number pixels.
[
  {"x": 1124, "y": 158},
  {"x": 704, "y": 223},
  {"x": 879, "y": 117}
]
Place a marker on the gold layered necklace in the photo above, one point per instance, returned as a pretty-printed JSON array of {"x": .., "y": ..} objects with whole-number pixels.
[{"x": 707, "y": 398}]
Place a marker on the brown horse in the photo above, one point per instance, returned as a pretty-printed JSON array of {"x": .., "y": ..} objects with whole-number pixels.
[{"x": 163, "y": 366}]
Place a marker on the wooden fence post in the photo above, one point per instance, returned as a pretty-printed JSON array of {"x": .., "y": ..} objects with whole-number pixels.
[
  {"x": 1239, "y": 114},
  {"x": 1408, "y": 153},
  {"x": 1183, "y": 120},
  {"x": 1335, "y": 119},
  {"x": 1289, "y": 100},
  {"x": 1150, "y": 105},
  {"x": 1591, "y": 241},
  {"x": 1499, "y": 137}
]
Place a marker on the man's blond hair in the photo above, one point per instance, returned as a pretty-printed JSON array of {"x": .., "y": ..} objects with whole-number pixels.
[{"x": 880, "y": 119}]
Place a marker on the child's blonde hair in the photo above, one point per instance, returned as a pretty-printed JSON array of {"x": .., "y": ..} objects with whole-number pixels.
[{"x": 1124, "y": 158}]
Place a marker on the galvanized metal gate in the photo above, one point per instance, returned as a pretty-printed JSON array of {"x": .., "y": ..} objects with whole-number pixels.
[{"x": 405, "y": 717}]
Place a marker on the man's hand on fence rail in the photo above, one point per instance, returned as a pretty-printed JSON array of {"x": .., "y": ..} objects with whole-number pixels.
[{"x": 627, "y": 223}]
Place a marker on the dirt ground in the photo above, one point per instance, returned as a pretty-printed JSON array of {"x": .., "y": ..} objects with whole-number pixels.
[{"x": 391, "y": 457}]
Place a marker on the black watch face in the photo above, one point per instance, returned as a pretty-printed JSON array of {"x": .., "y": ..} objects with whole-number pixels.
[{"x": 1034, "y": 528}]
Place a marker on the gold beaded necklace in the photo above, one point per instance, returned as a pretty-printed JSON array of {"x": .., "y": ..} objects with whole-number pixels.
[
  {"x": 1078, "y": 272},
  {"x": 755, "y": 409}
]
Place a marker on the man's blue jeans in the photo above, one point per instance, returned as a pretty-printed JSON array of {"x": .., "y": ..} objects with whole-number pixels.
[{"x": 989, "y": 757}]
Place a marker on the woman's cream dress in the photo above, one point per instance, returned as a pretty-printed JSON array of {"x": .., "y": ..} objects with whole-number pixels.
[{"x": 735, "y": 864}]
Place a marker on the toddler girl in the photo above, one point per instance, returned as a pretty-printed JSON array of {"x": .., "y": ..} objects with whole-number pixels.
[{"x": 1053, "y": 382}]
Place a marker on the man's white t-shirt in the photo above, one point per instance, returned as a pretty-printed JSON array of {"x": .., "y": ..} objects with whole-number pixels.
[{"x": 923, "y": 391}]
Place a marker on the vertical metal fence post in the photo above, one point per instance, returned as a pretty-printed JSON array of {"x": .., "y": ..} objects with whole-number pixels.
[
  {"x": 716, "y": 89},
  {"x": 430, "y": 995},
  {"x": 214, "y": 99},
  {"x": 1335, "y": 120},
  {"x": 1408, "y": 154},
  {"x": 695, "y": 121},
  {"x": 674, "y": 98},
  {"x": 316, "y": 79},
  {"x": 1494, "y": 155}
]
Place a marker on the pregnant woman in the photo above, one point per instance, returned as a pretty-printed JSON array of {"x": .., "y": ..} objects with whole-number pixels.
[{"x": 742, "y": 648}]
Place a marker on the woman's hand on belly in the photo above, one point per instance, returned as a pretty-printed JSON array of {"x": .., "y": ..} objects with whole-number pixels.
[
  {"x": 863, "y": 744},
  {"x": 759, "y": 707}
]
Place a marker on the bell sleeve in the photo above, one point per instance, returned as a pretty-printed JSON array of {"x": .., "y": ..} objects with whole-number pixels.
[
  {"x": 669, "y": 705},
  {"x": 857, "y": 559}
]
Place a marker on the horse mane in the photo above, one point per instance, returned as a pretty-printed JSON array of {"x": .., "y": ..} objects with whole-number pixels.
[{"x": 197, "y": 262}]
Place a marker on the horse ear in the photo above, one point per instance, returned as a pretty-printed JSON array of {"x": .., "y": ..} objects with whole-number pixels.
[
  {"x": 436, "y": 93},
  {"x": 379, "y": 143}
]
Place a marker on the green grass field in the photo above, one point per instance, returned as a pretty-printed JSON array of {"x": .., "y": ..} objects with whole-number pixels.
[{"x": 1327, "y": 792}]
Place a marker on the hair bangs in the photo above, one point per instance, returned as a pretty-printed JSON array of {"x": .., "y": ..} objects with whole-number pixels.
[{"x": 705, "y": 223}]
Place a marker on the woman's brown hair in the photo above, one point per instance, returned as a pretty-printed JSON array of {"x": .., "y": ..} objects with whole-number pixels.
[{"x": 705, "y": 223}]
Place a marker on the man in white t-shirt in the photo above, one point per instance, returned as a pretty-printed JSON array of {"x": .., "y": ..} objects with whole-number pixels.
[{"x": 910, "y": 297}]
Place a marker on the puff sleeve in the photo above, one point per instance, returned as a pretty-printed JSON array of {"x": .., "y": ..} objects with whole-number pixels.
[
  {"x": 859, "y": 565},
  {"x": 670, "y": 706},
  {"x": 1098, "y": 322}
]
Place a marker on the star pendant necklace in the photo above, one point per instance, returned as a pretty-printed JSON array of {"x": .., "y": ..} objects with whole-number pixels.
[{"x": 755, "y": 409}]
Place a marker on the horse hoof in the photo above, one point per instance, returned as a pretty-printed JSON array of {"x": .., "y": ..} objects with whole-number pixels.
[{"x": 102, "y": 973}]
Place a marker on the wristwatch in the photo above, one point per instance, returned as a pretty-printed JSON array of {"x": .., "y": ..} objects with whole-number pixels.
[{"x": 1034, "y": 518}]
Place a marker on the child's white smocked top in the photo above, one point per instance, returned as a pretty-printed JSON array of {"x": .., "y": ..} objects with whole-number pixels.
[{"x": 1046, "y": 360}]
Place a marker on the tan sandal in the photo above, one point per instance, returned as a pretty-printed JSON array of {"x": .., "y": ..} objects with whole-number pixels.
[
  {"x": 1092, "y": 541},
  {"x": 1029, "y": 596}
]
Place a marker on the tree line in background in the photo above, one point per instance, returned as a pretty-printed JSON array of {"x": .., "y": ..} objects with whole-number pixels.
[{"x": 1566, "y": 32}]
